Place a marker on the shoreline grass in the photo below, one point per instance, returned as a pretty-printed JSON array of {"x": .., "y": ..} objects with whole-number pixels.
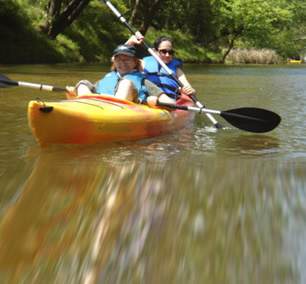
[{"x": 253, "y": 56}]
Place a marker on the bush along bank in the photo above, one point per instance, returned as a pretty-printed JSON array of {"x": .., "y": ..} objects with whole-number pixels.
[{"x": 253, "y": 56}]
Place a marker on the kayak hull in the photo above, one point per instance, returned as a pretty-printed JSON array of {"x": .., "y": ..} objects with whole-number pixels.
[{"x": 94, "y": 119}]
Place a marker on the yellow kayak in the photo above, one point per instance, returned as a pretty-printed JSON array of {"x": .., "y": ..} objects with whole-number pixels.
[
  {"x": 100, "y": 118},
  {"x": 292, "y": 61}
]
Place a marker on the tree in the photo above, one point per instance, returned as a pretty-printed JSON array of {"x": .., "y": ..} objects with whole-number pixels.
[
  {"x": 60, "y": 14},
  {"x": 144, "y": 12},
  {"x": 134, "y": 12},
  {"x": 252, "y": 21},
  {"x": 150, "y": 13},
  {"x": 196, "y": 19}
]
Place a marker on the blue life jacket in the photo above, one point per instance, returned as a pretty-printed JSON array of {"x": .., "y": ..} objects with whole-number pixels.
[
  {"x": 158, "y": 75},
  {"x": 109, "y": 82}
]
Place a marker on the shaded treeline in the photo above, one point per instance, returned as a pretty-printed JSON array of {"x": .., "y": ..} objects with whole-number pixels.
[{"x": 43, "y": 31}]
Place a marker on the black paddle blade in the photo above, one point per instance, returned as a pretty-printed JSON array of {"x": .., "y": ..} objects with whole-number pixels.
[
  {"x": 6, "y": 82},
  {"x": 252, "y": 119}
]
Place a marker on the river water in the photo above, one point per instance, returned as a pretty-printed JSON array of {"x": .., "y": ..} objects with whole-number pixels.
[{"x": 197, "y": 206}]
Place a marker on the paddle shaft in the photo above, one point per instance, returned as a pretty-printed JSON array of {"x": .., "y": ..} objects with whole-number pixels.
[
  {"x": 41, "y": 87},
  {"x": 255, "y": 120},
  {"x": 6, "y": 82},
  {"x": 160, "y": 61},
  {"x": 233, "y": 112},
  {"x": 189, "y": 108},
  {"x": 206, "y": 110}
]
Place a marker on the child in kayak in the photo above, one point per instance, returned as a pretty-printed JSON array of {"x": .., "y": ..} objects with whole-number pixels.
[{"x": 125, "y": 81}]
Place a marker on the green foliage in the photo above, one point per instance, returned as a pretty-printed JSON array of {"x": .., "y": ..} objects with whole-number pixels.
[
  {"x": 263, "y": 24},
  {"x": 96, "y": 34},
  {"x": 185, "y": 49},
  {"x": 35, "y": 11},
  {"x": 201, "y": 29},
  {"x": 20, "y": 43}
]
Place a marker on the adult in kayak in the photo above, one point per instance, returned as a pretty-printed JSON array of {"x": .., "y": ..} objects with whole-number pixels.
[
  {"x": 125, "y": 81},
  {"x": 163, "y": 46}
]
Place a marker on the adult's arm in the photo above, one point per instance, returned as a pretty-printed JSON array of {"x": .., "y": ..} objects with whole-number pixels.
[
  {"x": 187, "y": 89},
  {"x": 156, "y": 94}
]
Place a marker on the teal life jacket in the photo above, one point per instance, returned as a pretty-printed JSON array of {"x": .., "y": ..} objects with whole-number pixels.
[
  {"x": 159, "y": 76},
  {"x": 109, "y": 82}
]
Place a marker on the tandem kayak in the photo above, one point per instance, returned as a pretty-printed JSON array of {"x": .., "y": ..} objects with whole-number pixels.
[{"x": 100, "y": 118}]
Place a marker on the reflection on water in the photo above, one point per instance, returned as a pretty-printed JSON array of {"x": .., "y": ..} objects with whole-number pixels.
[
  {"x": 195, "y": 206},
  {"x": 254, "y": 144},
  {"x": 82, "y": 220}
]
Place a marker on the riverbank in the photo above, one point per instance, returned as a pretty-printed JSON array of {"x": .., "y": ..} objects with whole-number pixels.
[
  {"x": 22, "y": 41},
  {"x": 31, "y": 47},
  {"x": 253, "y": 56},
  {"x": 32, "y": 31}
]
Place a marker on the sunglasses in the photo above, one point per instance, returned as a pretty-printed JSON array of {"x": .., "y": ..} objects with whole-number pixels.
[{"x": 165, "y": 51}]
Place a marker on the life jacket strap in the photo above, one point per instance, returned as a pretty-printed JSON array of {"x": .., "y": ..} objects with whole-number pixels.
[{"x": 159, "y": 74}]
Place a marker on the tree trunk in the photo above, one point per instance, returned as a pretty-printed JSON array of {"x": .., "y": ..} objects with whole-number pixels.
[
  {"x": 58, "y": 21},
  {"x": 231, "y": 45},
  {"x": 54, "y": 8},
  {"x": 149, "y": 15},
  {"x": 134, "y": 13}
]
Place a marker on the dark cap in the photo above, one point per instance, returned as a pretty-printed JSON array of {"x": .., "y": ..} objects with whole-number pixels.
[{"x": 125, "y": 49}]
